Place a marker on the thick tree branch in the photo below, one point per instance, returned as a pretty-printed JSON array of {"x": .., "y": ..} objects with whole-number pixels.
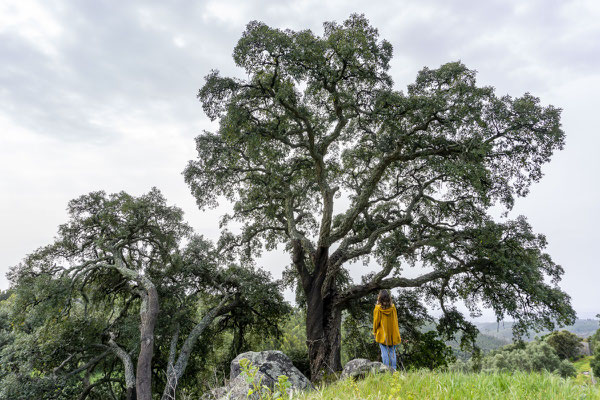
[
  {"x": 175, "y": 372},
  {"x": 370, "y": 184},
  {"x": 374, "y": 285},
  {"x": 90, "y": 363},
  {"x": 293, "y": 231},
  {"x": 127, "y": 363}
]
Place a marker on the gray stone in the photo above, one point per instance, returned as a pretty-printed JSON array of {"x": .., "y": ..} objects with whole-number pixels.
[
  {"x": 360, "y": 367},
  {"x": 238, "y": 388},
  {"x": 271, "y": 364},
  {"x": 215, "y": 394}
]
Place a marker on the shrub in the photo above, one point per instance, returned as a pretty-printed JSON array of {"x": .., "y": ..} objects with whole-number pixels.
[
  {"x": 536, "y": 356},
  {"x": 595, "y": 362},
  {"x": 566, "y": 369}
]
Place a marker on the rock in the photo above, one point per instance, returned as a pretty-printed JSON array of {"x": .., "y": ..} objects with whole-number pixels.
[
  {"x": 360, "y": 367},
  {"x": 270, "y": 364},
  {"x": 215, "y": 394},
  {"x": 238, "y": 388}
]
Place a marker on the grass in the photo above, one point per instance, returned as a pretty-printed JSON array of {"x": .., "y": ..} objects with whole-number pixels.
[
  {"x": 583, "y": 365},
  {"x": 449, "y": 385}
]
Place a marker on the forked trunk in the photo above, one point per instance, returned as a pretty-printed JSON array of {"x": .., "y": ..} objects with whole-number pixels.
[
  {"x": 323, "y": 320},
  {"x": 323, "y": 333}
]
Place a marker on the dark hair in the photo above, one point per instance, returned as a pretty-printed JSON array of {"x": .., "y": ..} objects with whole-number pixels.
[{"x": 384, "y": 299}]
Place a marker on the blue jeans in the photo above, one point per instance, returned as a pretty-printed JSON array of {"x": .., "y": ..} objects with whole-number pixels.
[{"x": 388, "y": 355}]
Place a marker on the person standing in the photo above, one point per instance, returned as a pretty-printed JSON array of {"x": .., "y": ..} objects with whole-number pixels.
[{"x": 385, "y": 328}]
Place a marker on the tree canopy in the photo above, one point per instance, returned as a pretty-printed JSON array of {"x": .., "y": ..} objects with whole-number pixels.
[
  {"x": 117, "y": 303},
  {"x": 318, "y": 151}
]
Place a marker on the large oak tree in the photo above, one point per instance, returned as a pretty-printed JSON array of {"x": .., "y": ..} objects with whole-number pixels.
[{"x": 317, "y": 150}]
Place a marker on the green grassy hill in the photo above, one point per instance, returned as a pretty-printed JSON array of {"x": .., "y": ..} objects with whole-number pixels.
[
  {"x": 583, "y": 370},
  {"x": 438, "y": 386}
]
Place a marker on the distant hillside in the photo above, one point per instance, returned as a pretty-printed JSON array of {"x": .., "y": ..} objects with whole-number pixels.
[
  {"x": 492, "y": 336},
  {"x": 485, "y": 342},
  {"x": 503, "y": 330}
]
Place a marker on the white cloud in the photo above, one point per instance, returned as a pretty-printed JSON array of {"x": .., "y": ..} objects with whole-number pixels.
[
  {"x": 232, "y": 13},
  {"x": 32, "y": 21},
  {"x": 99, "y": 96}
]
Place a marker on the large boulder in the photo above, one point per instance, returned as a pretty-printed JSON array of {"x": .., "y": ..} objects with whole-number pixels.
[
  {"x": 270, "y": 365},
  {"x": 215, "y": 394},
  {"x": 360, "y": 367}
]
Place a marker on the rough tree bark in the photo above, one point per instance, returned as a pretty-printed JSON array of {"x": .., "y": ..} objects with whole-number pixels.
[
  {"x": 323, "y": 335},
  {"x": 148, "y": 315},
  {"x": 323, "y": 318}
]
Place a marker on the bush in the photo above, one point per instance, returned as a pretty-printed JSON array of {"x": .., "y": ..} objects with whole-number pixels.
[
  {"x": 595, "y": 362},
  {"x": 299, "y": 357},
  {"x": 428, "y": 351},
  {"x": 566, "y": 369},
  {"x": 536, "y": 356}
]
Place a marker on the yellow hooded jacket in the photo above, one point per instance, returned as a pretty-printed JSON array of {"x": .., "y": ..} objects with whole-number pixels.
[{"x": 385, "y": 325}]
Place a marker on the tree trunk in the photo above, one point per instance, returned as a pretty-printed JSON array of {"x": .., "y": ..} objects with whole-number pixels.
[
  {"x": 130, "y": 395},
  {"x": 175, "y": 370},
  {"x": 323, "y": 320},
  {"x": 148, "y": 314},
  {"x": 323, "y": 334}
]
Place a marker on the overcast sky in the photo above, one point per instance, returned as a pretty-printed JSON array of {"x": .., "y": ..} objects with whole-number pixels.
[{"x": 102, "y": 95}]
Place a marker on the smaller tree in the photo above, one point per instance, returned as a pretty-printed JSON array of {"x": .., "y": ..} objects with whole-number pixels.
[
  {"x": 566, "y": 344},
  {"x": 117, "y": 298}
]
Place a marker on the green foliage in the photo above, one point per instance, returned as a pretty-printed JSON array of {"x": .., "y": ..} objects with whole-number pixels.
[
  {"x": 72, "y": 302},
  {"x": 583, "y": 368},
  {"x": 595, "y": 362},
  {"x": 358, "y": 341},
  {"x": 595, "y": 347},
  {"x": 452, "y": 385},
  {"x": 565, "y": 343},
  {"x": 566, "y": 369},
  {"x": 291, "y": 340},
  {"x": 428, "y": 351},
  {"x": 418, "y": 349},
  {"x": 536, "y": 356},
  {"x": 318, "y": 117},
  {"x": 260, "y": 391},
  {"x": 595, "y": 340}
]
